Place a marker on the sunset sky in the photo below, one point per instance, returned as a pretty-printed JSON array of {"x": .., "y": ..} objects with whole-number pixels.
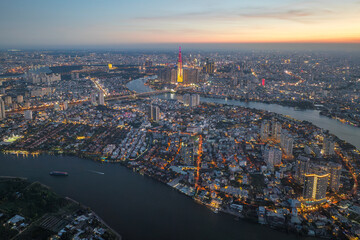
[{"x": 112, "y": 22}]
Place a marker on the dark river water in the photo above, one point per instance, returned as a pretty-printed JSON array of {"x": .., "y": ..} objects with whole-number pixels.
[
  {"x": 136, "y": 206},
  {"x": 139, "y": 207}
]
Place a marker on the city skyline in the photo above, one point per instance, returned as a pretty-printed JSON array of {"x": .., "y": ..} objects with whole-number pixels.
[{"x": 114, "y": 23}]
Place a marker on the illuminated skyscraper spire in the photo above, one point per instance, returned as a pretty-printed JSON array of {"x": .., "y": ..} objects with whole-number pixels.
[{"x": 180, "y": 75}]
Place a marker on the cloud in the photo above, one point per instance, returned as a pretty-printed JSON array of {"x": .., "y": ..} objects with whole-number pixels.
[{"x": 297, "y": 15}]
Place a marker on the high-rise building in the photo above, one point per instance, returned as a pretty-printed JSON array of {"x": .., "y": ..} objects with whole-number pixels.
[
  {"x": 2, "y": 109},
  {"x": 187, "y": 153},
  {"x": 315, "y": 186},
  {"x": 264, "y": 130},
  {"x": 191, "y": 75},
  {"x": 154, "y": 113},
  {"x": 272, "y": 157},
  {"x": 276, "y": 130},
  {"x": 328, "y": 147},
  {"x": 20, "y": 99},
  {"x": 209, "y": 66},
  {"x": 180, "y": 71},
  {"x": 93, "y": 98},
  {"x": 186, "y": 99},
  {"x": 287, "y": 143},
  {"x": 194, "y": 100},
  {"x": 101, "y": 98},
  {"x": 28, "y": 115},
  {"x": 302, "y": 167},
  {"x": 165, "y": 75},
  {"x": 335, "y": 173},
  {"x": 8, "y": 100}
]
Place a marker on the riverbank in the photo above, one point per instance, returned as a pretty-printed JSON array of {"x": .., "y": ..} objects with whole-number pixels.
[
  {"x": 34, "y": 210},
  {"x": 235, "y": 215}
]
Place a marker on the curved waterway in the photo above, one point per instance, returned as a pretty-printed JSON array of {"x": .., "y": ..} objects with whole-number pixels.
[
  {"x": 343, "y": 131},
  {"x": 136, "y": 206}
]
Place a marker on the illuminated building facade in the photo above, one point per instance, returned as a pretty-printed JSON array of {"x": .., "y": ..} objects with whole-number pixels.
[
  {"x": 209, "y": 66},
  {"x": 180, "y": 71},
  {"x": 315, "y": 186}
]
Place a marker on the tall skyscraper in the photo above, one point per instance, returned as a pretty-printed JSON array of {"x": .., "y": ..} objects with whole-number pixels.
[
  {"x": 154, "y": 113},
  {"x": 335, "y": 173},
  {"x": 180, "y": 71},
  {"x": 276, "y": 130},
  {"x": 315, "y": 186},
  {"x": 191, "y": 76},
  {"x": 2, "y": 109},
  {"x": 328, "y": 147},
  {"x": 302, "y": 167},
  {"x": 209, "y": 66},
  {"x": 287, "y": 143},
  {"x": 265, "y": 130}
]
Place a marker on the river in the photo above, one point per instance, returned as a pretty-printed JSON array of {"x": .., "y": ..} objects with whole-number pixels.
[
  {"x": 136, "y": 206},
  {"x": 345, "y": 132}
]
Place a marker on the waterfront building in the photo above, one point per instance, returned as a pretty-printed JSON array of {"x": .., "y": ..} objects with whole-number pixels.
[
  {"x": 194, "y": 100},
  {"x": 315, "y": 186}
]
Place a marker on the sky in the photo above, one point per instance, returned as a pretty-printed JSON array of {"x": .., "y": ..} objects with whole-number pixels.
[{"x": 27, "y": 23}]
